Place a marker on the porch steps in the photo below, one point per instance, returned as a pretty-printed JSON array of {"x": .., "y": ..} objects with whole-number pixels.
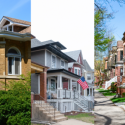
[{"x": 43, "y": 111}]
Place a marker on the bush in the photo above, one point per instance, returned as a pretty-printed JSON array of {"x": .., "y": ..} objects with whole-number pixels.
[
  {"x": 113, "y": 87},
  {"x": 123, "y": 94},
  {"x": 15, "y": 104}
]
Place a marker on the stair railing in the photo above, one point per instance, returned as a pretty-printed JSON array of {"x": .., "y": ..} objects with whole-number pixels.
[{"x": 40, "y": 99}]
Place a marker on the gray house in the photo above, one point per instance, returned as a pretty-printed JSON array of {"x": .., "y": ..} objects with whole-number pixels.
[{"x": 59, "y": 87}]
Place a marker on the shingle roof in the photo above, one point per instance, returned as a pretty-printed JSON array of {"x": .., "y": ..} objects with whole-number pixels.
[
  {"x": 27, "y": 30},
  {"x": 87, "y": 66},
  {"x": 35, "y": 42},
  {"x": 74, "y": 54},
  {"x": 18, "y": 20}
]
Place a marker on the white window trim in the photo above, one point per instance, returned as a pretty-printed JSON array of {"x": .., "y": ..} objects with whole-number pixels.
[
  {"x": 55, "y": 61},
  {"x": 17, "y": 56},
  {"x": 77, "y": 70},
  {"x": 61, "y": 65}
]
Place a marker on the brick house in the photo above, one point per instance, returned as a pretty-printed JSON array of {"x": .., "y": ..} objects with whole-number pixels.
[
  {"x": 115, "y": 67},
  {"x": 60, "y": 81},
  {"x": 15, "y": 52}
]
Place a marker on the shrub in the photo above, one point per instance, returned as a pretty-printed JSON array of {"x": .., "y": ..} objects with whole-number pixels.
[
  {"x": 123, "y": 94},
  {"x": 15, "y": 104},
  {"x": 113, "y": 87}
]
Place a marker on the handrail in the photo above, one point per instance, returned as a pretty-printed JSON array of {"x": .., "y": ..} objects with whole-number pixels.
[{"x": 41, "y": 98}]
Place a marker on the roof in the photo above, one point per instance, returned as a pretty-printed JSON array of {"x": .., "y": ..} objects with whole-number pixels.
[
  {"x": 18, "y": 20},
  {"x": 63, "y": 71},
  {"x": 87, "y": 66},
  {"x": 35, "y": 43},
  {"x": 74, "y": 54},
  {"x": 27, "y": 30}
]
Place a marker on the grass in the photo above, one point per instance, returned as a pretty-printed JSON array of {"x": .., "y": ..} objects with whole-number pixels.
[
  {"x": 109, "y": 94},
  {"x": 99, "y": 89},
  {"x": 117, "y": 100},
  {"x": 85, "y": 117}
]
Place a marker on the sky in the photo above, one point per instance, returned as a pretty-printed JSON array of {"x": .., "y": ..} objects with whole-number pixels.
[
  {"x": 19, "y": 9},
  {"x": 71, "y": 22},
  {"x": 117, "y": 24}
]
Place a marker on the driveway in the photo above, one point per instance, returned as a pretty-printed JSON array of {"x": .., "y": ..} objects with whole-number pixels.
[
  {"x": 106, "y": 113},
  {"x": 72, "y": 122}
]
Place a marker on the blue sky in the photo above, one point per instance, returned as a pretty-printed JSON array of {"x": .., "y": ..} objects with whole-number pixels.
[
  {"x": 117, "y": 25},
  {"x": 19, "y": 9}
]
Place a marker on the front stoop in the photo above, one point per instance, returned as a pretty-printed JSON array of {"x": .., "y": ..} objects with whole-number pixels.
[{"x": 43, "y": 111}]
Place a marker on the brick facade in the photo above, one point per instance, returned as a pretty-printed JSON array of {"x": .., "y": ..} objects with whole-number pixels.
[{"x": 24, "y": 48}]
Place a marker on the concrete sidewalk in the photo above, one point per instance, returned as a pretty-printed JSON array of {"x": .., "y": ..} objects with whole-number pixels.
[
  {"x": 106, "y": 113},
  {"x": 73, "y": 122}
]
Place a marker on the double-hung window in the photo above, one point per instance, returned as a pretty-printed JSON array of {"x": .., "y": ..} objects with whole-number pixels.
[
  {"x": 53, "y": 61},
  {"x": 77, "y": 71},
  {"x": 121, "y": 55},
  {"x": 62, "y": 64},
  {"x": 14, "y": 62}
]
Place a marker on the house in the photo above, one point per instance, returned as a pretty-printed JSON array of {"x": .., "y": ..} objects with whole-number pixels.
[
  {"x": 82, "y": 68},
  {"x": 15, "y": 51},
  {"x": 114, "y": 66},
  {"x": 60, "y": 81}
]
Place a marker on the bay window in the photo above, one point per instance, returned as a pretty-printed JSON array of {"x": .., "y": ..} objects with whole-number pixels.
[{"x": 53, "y": 61}]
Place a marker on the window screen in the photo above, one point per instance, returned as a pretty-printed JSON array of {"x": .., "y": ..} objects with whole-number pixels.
[{"x": 17, "y": 65}]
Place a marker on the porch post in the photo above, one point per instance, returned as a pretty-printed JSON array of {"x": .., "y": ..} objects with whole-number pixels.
[
  {"x": 89, "y": 91},
  {"x": 12, "y": 28},
  {"x": 84, "y": 91},
  {"x": 59, "y": 87},
  {"x": 92, "y": 91},
  {"x": 71, "y": 87},
  {"x": 7, "y": 28},
  {"x": 79, "y": 88}
]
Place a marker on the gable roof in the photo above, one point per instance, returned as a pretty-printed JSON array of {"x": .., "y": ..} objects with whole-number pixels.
[
  {"x": 18, "y": 20},
  {"x": 87, "y": 66},
  {"x": 74, "y": 54}
]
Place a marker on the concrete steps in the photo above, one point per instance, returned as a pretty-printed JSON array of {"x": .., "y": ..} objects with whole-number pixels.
[{"x": 43, "y": 111}]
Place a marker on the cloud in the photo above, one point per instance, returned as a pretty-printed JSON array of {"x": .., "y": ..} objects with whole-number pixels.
[{"x": 17, "y": 6}]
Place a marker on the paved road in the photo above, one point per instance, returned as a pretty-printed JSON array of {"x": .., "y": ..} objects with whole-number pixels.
[
  {"x": 106, "y": 113},
  {"x": 73, "y": 122}
]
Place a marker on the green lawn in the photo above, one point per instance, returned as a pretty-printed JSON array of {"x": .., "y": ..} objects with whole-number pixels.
[
  {"x": 107, "y": 92},
  {"x": 99, "y": 89},
  {"x": 85, "y": 117},
  {"x": 117, "y": 100}
]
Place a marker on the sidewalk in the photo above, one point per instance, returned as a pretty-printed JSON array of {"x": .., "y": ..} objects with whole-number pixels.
[
  {"x": 106, "y": 113},
  {"x": 73, "y": 122}
]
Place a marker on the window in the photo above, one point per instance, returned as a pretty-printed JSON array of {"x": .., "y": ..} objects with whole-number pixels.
[
  {"x": 121, "y": 71},
  {"x": 75, "y": 71},
  {"x": 88, "y": 76},
  {"x": 53, "y": 61},
  {"x": 62, "y": 64},
  {"x": 79, "y": 72},
  {"x": 14, "y": 62},
  {"x": 121, "y": 55},
  {"x": 115, "y": 58}
]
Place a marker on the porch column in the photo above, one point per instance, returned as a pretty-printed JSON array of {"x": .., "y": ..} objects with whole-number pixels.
[
  {"x": 79, "y": 88},
  {"x": 59, "y": 87},
  {"x": 92, "y": 91},
  {"x": 71, "y": 88},
  {"x": 84, "y": 91},
  {"x": 7, "y": 28},
  {"x": 89, "y": 91},
  {"x": 12, "y": 28}
]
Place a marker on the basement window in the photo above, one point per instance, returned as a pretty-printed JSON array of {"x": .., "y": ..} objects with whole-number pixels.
[{"x": 14, "y": 62}]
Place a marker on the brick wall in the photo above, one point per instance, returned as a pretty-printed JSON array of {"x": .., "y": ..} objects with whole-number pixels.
[
  {"x": 24, "y": 48},
  {"x": 120, "y": 90}
]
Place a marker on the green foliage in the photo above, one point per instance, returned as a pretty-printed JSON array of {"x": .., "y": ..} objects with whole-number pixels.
[
  {"x": 15, "y": 104},
  {"x": 123, "y": 94},
  {"x": 113, "y": 87},
  {"x": 101, "y": 36}
]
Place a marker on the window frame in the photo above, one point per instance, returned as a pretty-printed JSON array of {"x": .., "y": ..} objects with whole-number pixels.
[
  {"x": 77, "y": 68},
  {"x": 121, "y": 57},
  {"x": 52, "y": 62},
  {"x": 61, "y": 63},
  {"x": 13, "y": 60}
]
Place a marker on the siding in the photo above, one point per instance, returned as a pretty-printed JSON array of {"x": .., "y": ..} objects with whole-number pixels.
[
  {"x": 48, "y": 54},
  {"x": 38, "y": 57},
  {"x": 58, "y": 62},
  {"x": 66, "y": 65},
  {"x": 34, "y": 83}
]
